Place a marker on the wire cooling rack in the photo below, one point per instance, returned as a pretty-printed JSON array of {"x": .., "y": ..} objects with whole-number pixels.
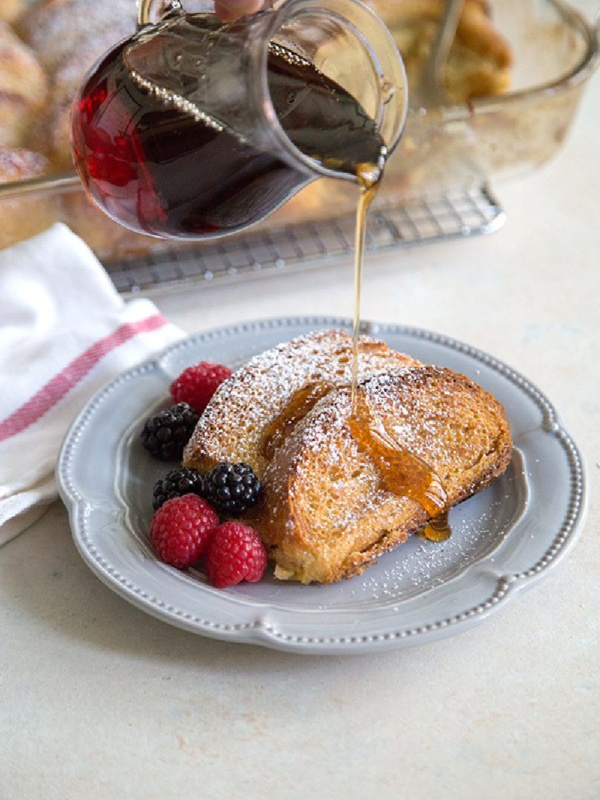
[{"x": 419, "y": 221}]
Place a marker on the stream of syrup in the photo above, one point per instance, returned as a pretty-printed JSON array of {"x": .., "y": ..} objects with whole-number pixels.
[
  {"x": 369, "y": 179},
  {"x": 402, "y": 472}
]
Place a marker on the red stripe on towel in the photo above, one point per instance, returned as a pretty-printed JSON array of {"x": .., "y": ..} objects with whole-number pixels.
[{"x": 62, "y": 383}]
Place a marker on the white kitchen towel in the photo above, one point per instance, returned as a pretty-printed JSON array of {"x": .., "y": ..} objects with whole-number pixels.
[{"x": 64, "y": 332}]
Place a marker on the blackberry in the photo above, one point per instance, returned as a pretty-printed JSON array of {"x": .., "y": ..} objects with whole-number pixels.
[
  {"x": 166, "y": 434},
  {"x": 177, "y": 482},
  {"x": 232, "y": 488}
]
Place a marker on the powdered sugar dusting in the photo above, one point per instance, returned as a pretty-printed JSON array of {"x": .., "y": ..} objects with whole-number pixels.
[
  {"x": 333, "y": 499},
  {"x": 235, "y": 420},
  {"x": 422, "y": 565},
  {"x": 478, "y": 530}
]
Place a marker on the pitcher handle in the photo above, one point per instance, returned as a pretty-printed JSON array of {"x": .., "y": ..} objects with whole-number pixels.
[{"x": 145, "y": 7}]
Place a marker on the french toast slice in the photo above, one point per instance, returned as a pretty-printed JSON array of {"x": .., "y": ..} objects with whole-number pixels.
[
  {"x": 327, "y": 514},
  {"x": 234, "y": 426}
]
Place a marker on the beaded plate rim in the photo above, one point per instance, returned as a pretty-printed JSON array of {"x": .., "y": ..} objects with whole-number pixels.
[{"x": 261, "y": 627}]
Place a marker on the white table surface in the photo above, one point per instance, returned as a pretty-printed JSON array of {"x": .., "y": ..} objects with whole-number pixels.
[{"x": 100, "y": 700}]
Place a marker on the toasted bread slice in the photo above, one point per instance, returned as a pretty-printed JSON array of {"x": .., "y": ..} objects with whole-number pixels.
[
  {"x": 327, "y": 513},
  {"x": 241, "y": 421}
]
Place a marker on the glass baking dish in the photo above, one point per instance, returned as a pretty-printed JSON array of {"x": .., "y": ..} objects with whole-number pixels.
[{"x": 457, "y": 146}]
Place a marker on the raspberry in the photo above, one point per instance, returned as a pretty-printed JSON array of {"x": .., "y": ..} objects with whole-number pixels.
[
  {"x": 166, "y": 434},
  {"x": 235, "y": 553},
  {"x": 181, "y": 528},
  {"x": 232, "y": 488},
  {"x": 177, "y": 482},
  {"x": 197, "y": 384}
]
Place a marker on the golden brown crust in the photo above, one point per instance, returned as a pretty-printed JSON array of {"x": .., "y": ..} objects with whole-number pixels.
[{"x": 325, "y": 515}]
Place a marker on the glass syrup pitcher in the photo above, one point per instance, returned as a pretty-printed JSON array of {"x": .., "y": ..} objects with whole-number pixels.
[{"x": 195, "y": 128}]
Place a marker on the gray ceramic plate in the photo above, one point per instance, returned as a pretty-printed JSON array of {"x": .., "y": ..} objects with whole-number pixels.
[{"x": 504, "y": 539}]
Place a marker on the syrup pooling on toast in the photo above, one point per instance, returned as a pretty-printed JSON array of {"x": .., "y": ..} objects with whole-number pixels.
[
  {"x": 403, "y": 473},
  {"x": 298, "y": 407}
]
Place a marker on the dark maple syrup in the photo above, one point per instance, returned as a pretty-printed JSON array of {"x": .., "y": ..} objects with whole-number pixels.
[
  {"x": 401, "y": 472},
  {"x": 156, "y": 169},
  {"x": 295, "y": 410}
]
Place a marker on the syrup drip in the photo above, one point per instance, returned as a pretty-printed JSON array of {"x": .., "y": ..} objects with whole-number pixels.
[
  {"x": 438, "y": 530},
  {"x": 298, "y": 407},
  {"x": 401, "y": 472}
]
